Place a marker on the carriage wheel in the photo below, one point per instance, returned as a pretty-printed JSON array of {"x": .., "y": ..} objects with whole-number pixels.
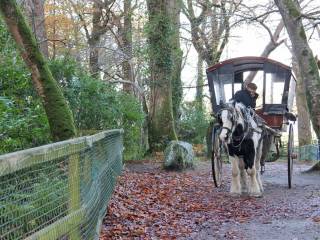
[
  {"x": 290, "y": 155},
  {"x": 216, "y": 158}
]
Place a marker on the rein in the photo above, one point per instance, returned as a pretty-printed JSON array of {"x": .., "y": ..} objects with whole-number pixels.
[{"x": 246, "y": 114}]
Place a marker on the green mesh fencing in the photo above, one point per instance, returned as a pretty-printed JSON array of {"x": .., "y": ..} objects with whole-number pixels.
[
  {"x": 309, "y": 152},
  {"x": 61, "y": 190}
]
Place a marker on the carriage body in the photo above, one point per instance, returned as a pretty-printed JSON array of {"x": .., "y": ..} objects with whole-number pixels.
[
  {"x": 276, "y": 86},
  {"x": 276, "y": 89}
]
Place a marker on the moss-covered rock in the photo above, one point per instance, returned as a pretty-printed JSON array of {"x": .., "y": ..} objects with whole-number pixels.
[{"x": 178, "y": 156}]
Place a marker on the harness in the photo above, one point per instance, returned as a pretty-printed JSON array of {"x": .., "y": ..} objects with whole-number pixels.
[
  {"x": 247, "y": 114},
  {"x": 232, "y": 116}
]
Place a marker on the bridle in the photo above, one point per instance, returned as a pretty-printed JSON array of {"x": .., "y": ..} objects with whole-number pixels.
[
  {"x": 248, "y": 129},
  {"x": 232, "y": 115},
  {"x": 234, "y": 119}
]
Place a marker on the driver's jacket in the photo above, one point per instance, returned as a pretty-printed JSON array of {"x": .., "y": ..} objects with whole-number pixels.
[{"x": 245, "y": 98}]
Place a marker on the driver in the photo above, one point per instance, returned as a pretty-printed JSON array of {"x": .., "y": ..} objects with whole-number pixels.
[{"x": 247, "y": 96}]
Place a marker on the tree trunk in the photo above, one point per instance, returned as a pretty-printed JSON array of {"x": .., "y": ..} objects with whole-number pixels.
[
  {"x": 291, "y": 15},
  {"x": 200, "y": 82},
  {"x": 145, "y": 147},
  {"x": 174, "y": 9},
  {"x": 162, "y": 127},
  {"x": 290, "y": 12},
  {"x": 35, "y": 12},
  {"x": 304, "y": 126},
  {"x": 94, "y": 39},
  {"x": 54, "y": 32},
  {"x": 127, "y": 46},
  {"x": 58, "y": 113}
]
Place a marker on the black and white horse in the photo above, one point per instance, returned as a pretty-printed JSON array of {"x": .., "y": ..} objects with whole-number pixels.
[{"x": 244, "y": 139}]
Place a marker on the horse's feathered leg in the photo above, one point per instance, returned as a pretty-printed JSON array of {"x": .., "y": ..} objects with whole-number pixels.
[
  {"x": 254, "y": 189},
  {"x": 235, "y": 181},
  {"x": 258, "y": 166},
  {"x": 243, "y": 177},
  {"x": 252, "y": 171}
]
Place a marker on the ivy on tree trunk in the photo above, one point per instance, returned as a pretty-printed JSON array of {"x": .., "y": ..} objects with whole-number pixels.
[
  {"x": 126, "y": 36},
  {"x": 58, "y": 113},
  {"x": 159, "y": 31},
  {"x": 200, "y": 82},
  {"x": 174, "y": 9}
]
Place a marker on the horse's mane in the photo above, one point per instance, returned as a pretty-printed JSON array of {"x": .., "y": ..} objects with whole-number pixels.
[
  {"x": 233, "y": 103},
  {"x": 245, "y": 112}
]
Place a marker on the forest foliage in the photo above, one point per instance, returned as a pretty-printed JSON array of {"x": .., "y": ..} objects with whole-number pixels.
[
  {"x": 23, "y": 122},
  {"x": 115, "y": 75},
  {"x": 95, "y": 105}
]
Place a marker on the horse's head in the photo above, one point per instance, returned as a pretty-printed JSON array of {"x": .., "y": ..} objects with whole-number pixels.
[
  {"x": 240, "y": 124},
  {"x": 227, "y": 120},
  {"x": 231, "y": 120}
]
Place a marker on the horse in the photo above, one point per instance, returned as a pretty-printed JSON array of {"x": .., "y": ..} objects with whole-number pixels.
[{"x": 244, "y": 139}]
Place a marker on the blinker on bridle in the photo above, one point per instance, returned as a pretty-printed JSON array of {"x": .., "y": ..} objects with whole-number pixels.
[{"x": 231, "y": 117}]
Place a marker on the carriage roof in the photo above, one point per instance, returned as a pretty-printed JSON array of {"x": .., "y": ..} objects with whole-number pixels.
[
  {"x": 275, "y": 82},
  {"x": 248, "y": 63}
]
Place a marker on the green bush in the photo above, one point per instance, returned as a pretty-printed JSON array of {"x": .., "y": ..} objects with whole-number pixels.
[
  {"x": 23, "y": 123},
  {"x": 193, "y": 123},
  {"x": 95, "y": 105},
  {"x": 99, "y": 106}
]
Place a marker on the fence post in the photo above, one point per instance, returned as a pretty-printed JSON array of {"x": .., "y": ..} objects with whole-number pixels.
[
  {"x": 87, "y": 169},
  {"x": 74, "y": 190},
  {"x": 318, "y": 155}
]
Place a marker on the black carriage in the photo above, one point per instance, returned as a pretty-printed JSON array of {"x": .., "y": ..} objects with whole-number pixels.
[{"x": 276, "y": 89}]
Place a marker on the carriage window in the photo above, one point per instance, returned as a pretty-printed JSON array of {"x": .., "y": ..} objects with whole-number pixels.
[
  {"x": 223, "y": 88},
  {"x": 238, "y": 81},
  {"x": 217, "y": 91},
  {"x": 274, "y": 88},
  {"x": 237, "y": 87},
  {"x": 258, "y": 80},
  {"x": 228, "y": 91}
]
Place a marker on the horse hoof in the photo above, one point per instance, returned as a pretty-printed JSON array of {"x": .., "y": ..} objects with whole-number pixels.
[
  {"x": 244, "y": 190},
  {"x": 245, "y": 194},
  {"x": 235, "y": 194},
  {"x": 256, "y": 195}
]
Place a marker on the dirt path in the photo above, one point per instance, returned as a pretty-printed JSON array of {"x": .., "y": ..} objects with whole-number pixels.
[
  {"x": 150, "y": 203},
  {"x": 284, "y": 214}
]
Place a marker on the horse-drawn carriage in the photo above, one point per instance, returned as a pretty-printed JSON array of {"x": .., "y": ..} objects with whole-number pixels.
[{"x": 276, "y": 89}]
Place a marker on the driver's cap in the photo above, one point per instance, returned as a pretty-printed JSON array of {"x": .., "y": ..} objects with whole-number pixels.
[{"x": 252, "y": 86}]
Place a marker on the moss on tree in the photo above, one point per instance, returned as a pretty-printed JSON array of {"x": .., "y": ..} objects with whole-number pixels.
[
  {"x": 303, "y": 33},
  {"x": 314, "y": 69},
  {"x": 58, "y": 113},
  {"x": 305, "y": 52},
  {"x": 161, "y": 51},
  {"x": 293, "y": 10}
]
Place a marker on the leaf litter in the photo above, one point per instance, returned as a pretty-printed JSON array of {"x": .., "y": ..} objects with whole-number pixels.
[{"x": 150, "y": 203}]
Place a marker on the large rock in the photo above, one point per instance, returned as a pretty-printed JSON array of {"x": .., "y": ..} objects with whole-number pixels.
[{"x": 178, "y": 155}]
